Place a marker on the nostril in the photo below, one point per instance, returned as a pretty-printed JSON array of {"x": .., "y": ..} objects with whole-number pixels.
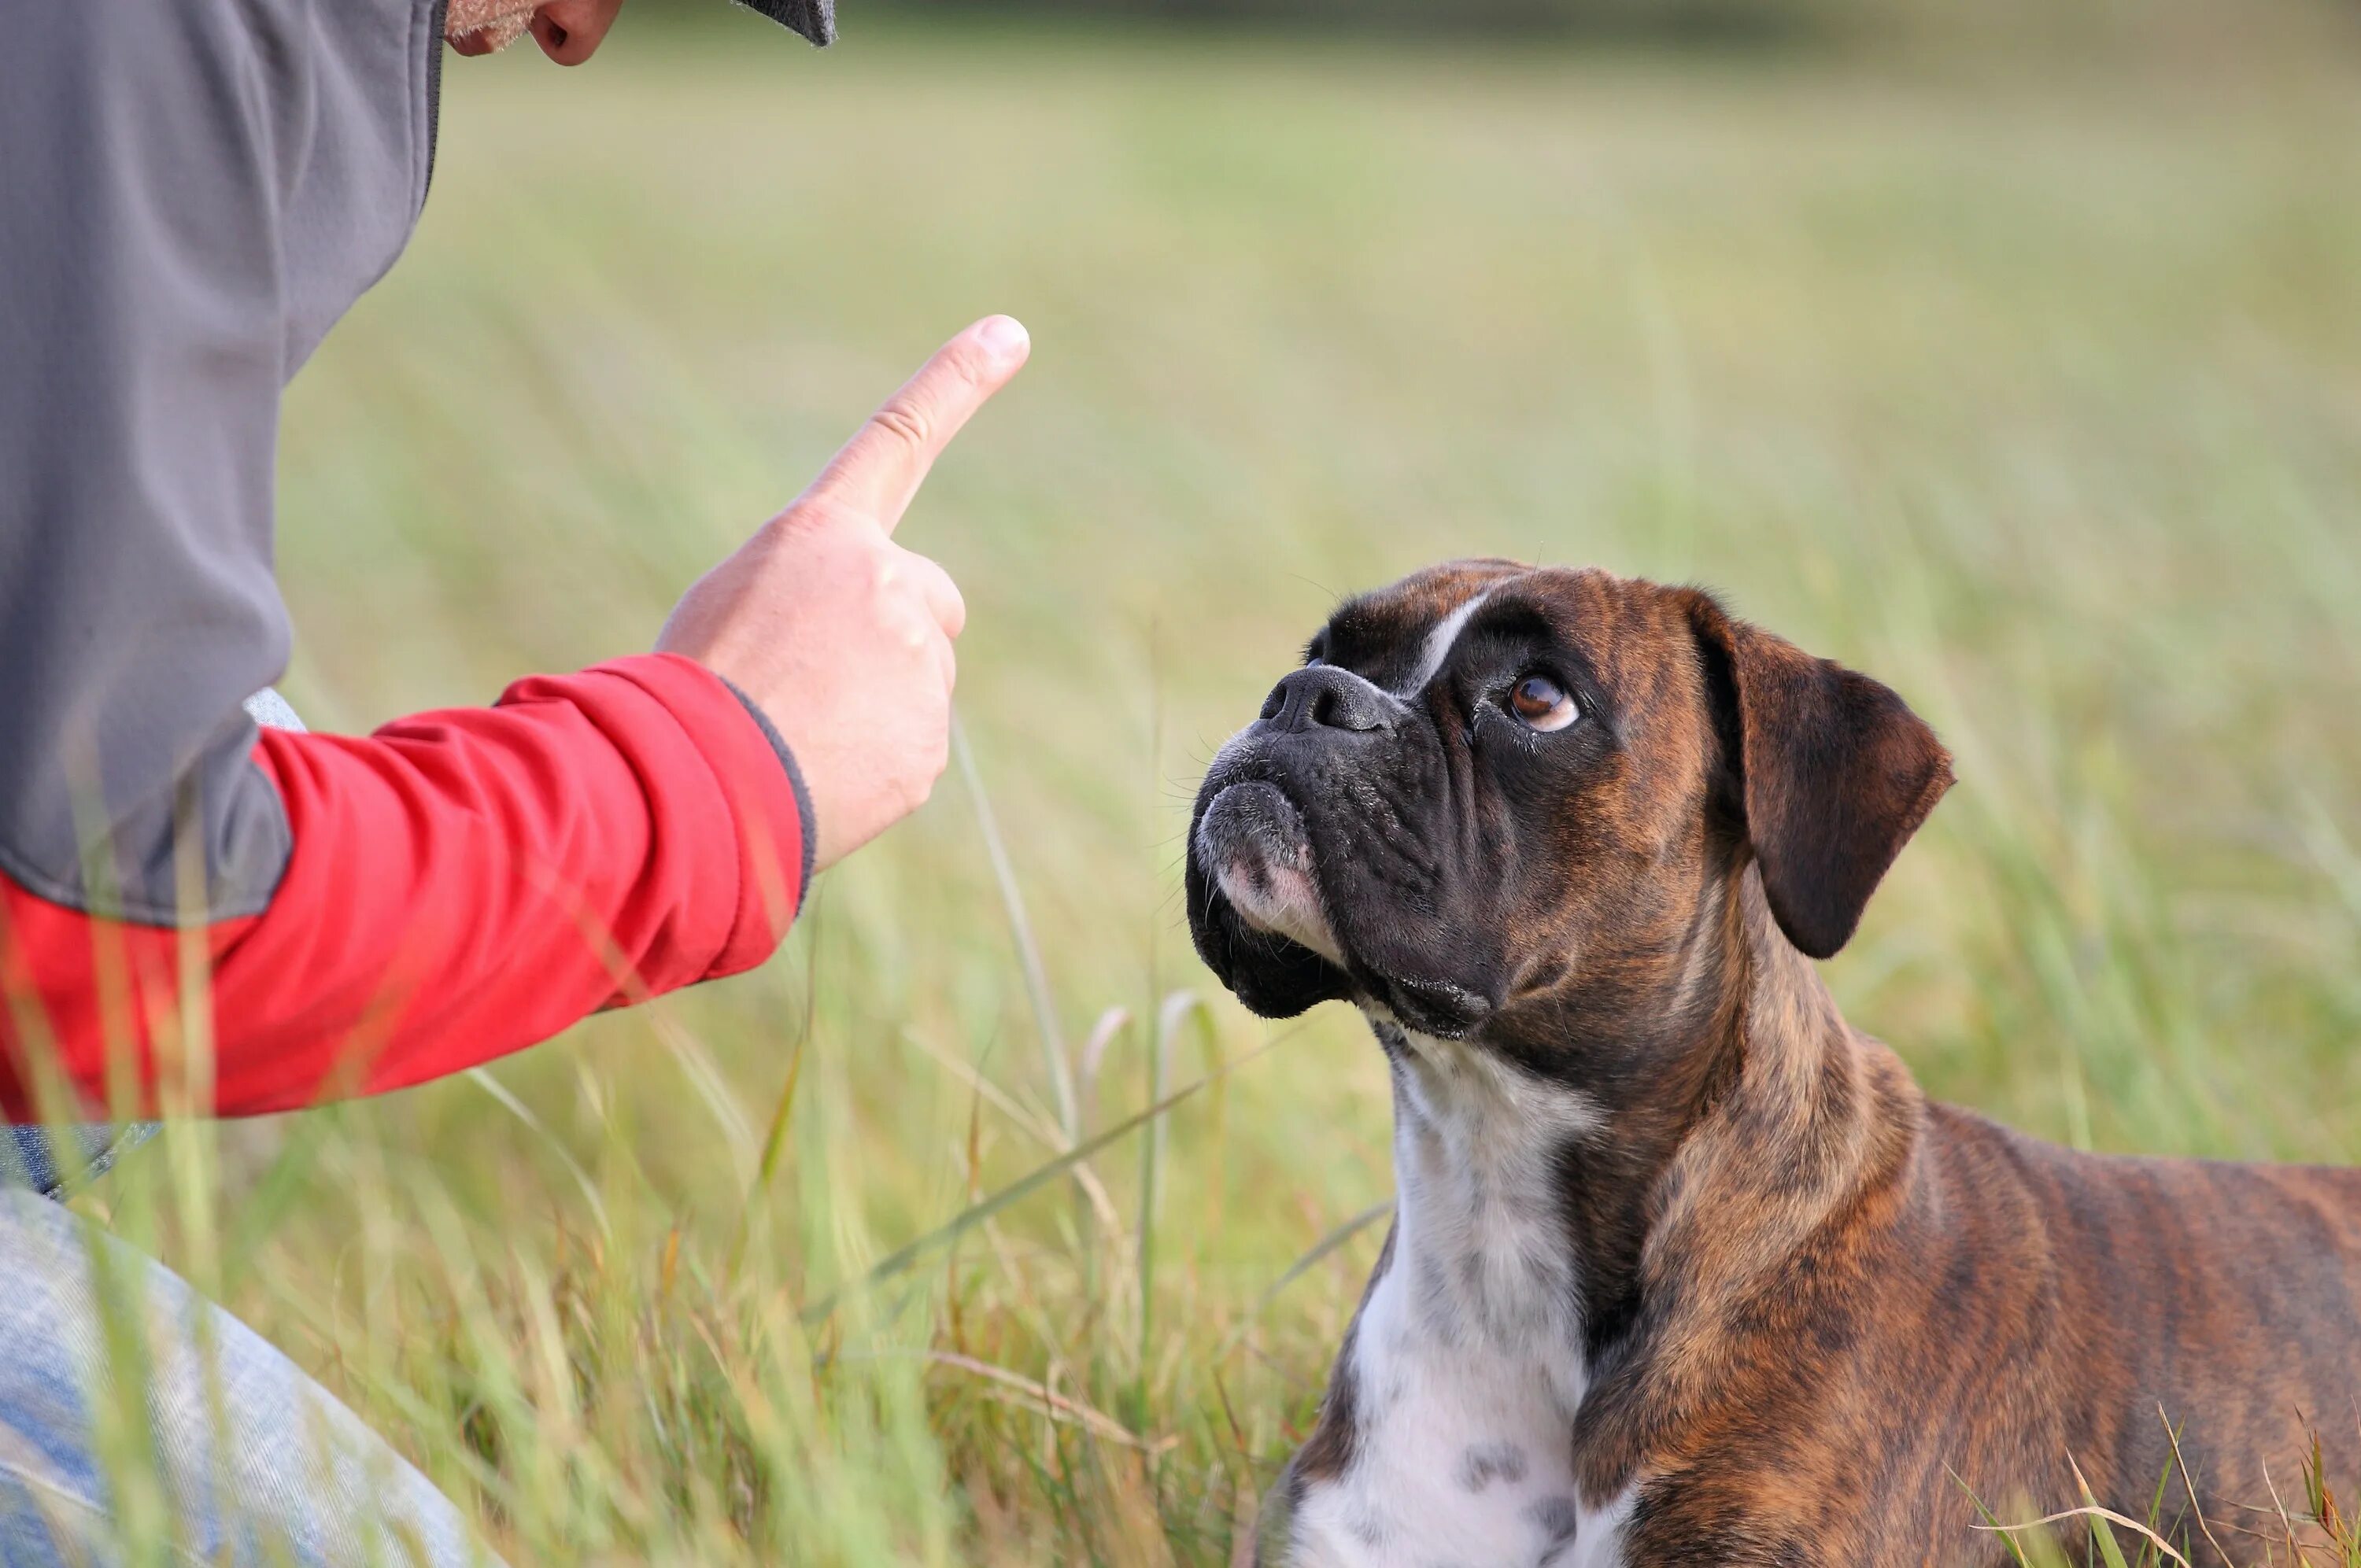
[{"x": 1321, "y": 697}]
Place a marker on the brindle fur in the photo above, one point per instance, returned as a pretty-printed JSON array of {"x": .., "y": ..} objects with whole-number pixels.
[{"x": 1817, "y": 1309}]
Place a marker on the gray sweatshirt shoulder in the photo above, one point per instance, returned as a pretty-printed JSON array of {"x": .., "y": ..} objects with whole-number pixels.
[{"x": 191, "y": 195}]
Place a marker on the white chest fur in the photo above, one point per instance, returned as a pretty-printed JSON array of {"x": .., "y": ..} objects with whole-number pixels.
[{"x": 1467, "y": 1364}]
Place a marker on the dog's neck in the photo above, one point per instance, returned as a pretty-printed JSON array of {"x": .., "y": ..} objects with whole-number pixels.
[
  {"x": 1549, "y": 1191},
  {"x": 1478, "y": 1228}
]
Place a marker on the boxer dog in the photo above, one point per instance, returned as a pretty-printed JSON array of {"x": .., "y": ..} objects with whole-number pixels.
[{"x": 1684, "y": 1270}]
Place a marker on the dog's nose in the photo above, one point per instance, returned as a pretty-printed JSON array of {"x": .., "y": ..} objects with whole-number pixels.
[{"x": 1325, "y": 697}]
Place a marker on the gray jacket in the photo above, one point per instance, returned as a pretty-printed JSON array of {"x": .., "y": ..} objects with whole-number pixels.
[
  {"x": 155, "y": 296},
  {"x": 191, "y": 195}
]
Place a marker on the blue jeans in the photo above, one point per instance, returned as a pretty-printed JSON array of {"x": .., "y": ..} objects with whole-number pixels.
[
  {"x": 258, "y": 1465},
  {"x": 37, "y": 1157}
]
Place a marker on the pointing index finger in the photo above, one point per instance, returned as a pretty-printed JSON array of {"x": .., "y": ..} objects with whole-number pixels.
[{"x": 880, "y": 470}]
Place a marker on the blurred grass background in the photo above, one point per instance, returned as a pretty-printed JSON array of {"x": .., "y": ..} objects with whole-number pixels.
[{"x": 2016, "y": 361}]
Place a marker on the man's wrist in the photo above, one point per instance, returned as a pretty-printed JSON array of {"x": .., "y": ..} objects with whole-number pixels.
[{"x": 795, "y": 779}]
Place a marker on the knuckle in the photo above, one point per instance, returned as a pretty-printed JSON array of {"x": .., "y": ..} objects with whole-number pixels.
[
  {"x": 905, "y": 419},
  {"x": 782, "y": 532},
  {"x": 807, "y": 524},
  {"x": 965, "y": 359}
]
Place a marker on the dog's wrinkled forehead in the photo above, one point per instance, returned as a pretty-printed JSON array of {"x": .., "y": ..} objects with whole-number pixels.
[
  {"x": 1627, "y": 633},
  {"x": 1395, "y": 634}
]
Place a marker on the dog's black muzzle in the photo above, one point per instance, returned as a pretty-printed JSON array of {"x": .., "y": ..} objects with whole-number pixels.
[
  {"x": 1317, "y": 788},
  {"x": 1245, "y": 817}
]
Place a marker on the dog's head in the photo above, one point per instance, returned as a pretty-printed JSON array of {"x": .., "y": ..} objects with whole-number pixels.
[{"x": 1491, "y": 787}]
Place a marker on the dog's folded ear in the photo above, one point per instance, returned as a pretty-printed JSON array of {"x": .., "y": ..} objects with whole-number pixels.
[{"x": 1832, "y": 773}]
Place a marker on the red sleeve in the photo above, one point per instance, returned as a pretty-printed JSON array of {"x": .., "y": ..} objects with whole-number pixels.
[{"x": 462, "y": 884}]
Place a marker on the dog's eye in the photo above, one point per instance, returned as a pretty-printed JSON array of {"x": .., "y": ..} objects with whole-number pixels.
[{"x": 1542, "y": 704}]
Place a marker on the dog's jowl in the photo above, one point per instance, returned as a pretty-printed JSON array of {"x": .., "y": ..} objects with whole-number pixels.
[{"x": 1684, "y": 1270}]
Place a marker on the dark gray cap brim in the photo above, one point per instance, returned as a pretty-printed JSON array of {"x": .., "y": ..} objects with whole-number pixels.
[{"x": 815, "y": 19}]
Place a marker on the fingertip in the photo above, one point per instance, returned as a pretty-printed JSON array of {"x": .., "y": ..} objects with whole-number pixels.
[{"x": 1004, "y": 341}]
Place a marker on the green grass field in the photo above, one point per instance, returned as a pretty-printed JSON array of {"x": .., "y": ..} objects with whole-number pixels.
[{"x": 2034, "y": 388}]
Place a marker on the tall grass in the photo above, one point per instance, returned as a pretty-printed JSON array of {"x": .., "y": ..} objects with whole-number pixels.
[{"x": 979, "y": 1227}]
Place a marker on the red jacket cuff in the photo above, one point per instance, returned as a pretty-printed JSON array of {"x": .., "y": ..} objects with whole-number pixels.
[{"x": 756, "y": 774}]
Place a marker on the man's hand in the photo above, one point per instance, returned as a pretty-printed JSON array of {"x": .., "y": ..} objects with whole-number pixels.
[{"x": 841, "y": 636}]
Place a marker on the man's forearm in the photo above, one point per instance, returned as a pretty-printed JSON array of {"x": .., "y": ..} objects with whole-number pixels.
[{"x": 460, "y": 885}]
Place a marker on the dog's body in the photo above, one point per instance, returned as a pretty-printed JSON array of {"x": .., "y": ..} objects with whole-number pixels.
[{"x": 1684, "y": 1270}]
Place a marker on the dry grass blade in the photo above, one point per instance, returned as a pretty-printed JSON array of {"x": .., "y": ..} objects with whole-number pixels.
[
  {"x": 774, "y": 1144},
  {"x": 2189, "y": 1482},
  {"x": 1111, "y": 1024},
  {"x": 1246, "y": 1520},
  {"x": 1020, "y": 929},
  {"x": 1032, "y": 1181},
  {"x": 1044, "y": 1401},
  {"x": 1298, "y": 1269},
  {"x": 2090, "y": 1512},
  {"x": 1101, "y": 1203},
  {"x": 1175, "y": 1008},
  {"x": 2295, "y": 1550},
  {"x": 2101, "y": 1534},
  {"x": 713, "y": 1090},
  {"x": 484, "y": 1081}
]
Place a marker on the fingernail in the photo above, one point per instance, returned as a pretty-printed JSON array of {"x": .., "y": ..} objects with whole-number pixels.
[{"x": 1004, "y": 338}]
